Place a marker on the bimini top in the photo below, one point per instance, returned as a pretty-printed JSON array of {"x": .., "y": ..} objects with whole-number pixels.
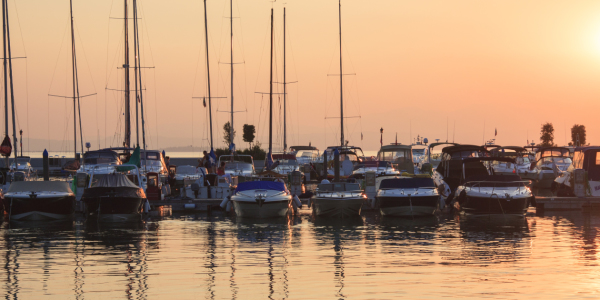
[
  {"x": 261, "y": 185},
  {"x": 432, "y": 145},
  {"x": 342, "y": 148},
  {"x": 553, "y": 152},
  {"x": 586, "y": 148},
  {"x": 394, "y": 147},
  {"x": 515, "y": 150},
  {"x": 298, "y": 148},
  {"x": 459, "y": 148},
  {"x": 39, "y": 186},
  {"x": 407, "y": 183}
]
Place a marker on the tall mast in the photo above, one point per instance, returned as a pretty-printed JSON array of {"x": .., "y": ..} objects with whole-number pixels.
[
  {"x": 231, "y": 28},
  {"x": 341, "y": 76},
  {"x": 74, "y": 84},
  {"x": 208, "y": 77},
  {"x": 5, "y": 74},
  {"x": 12, "y": 94},
  {"x": 135, "y": 71},
  {"x": 284, "y": 90},
  {"x": 138, "y": 74},
  {"x": 127, "y": 142},
  {"x": 271, "y": 92}
]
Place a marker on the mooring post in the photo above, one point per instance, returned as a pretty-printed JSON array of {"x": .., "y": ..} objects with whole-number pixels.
[{"x": 45, "y": 162}]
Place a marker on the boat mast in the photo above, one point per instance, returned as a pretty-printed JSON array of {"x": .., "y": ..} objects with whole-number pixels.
[
  {"x": 75, "y": 88},
  {"x": 284, "y": 90},
  {"x": 12, "y": 94},
  {"x": 271, "y": 91},
  {"x": 341, "y": 76},
  {"x": 127, "y": 142},
  {"x": 135, "y": 71},
  {"x": 5, "y": 75},
  {"x": 208, "y": 77},
  {"x": 231, "y": 29},
  {"x": 138, "y": 61}
]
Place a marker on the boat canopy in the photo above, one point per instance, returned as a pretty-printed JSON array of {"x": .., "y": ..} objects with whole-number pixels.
[
  {"x": 512, "y": 150},
  {"x": 552, "y": 152},
  {"x": 100, "y": 157},
  {"x": 261, "y": 185},
  {"x": 460, "y": 148},
  {"x": 407, "y": 183},
  {"x": 39, "y": 186},
  {"x": 587, "y": 158},
  {"x": 115, "y": 180}
]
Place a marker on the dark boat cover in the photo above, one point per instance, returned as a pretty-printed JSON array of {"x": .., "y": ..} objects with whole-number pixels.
[
  {"x": 114, "y": 185},
  {"x": 261, "y": 185},
  {"x": 39, "y": 186},
  {"x": 6, "y": 147},
  {"x": 406, "y": 183},
  {"x": 115, "y": 180}
]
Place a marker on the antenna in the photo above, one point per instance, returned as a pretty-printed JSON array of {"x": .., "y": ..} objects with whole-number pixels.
[
  {"x": 454, "y": 131},
  {"x": 483, "y": 138}
]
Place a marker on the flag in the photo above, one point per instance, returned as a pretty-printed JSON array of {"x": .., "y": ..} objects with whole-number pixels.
[
  {"x": 204, "y": 101},
  {"x": 495, "y": 131},
  {"x": 269, "y": 160},
  {"x": 232, "y": 147},
  {"x": 396, "y": 138},
  {"x": 361, "y": 136},
  {"x": 213, "y": 157}
]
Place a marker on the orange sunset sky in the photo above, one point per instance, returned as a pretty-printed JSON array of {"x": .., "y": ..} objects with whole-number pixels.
[{"x": 419, "y": 64}]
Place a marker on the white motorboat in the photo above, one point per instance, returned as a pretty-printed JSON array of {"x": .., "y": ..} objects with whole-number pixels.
[
  {"x": 493, "y": 194},
  {"x": 408, "y": 196},
  {"x": 261, "y": 199},
  {"x": 285, "y": 163},
  {"x": 39, "y": 200},
  {"x": 582, "y": 177},
  {"x": 380, "y": 168},
  {"x": 522, "y": 163},
  {"x": 338, "y": 199},
  {"x": 399, "y": 155},
  {"x": 23, "y": 164},
  {"x": 238, "y": 165},
  {"x": 306, "y": 154},
  {"x": 152, "y": 161},
  {"x": 550, "y": 163},
  {"x": 351, "y": 152}
]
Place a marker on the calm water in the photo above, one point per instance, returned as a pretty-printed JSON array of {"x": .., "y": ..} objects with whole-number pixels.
[{"x": 219, "y": 257}]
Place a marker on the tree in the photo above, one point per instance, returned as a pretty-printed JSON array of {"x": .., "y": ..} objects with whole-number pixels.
[
  {"x": 575, "y": 131},
  {"x": 547, "y": 135},
  {"x": 249, "y": 132},
  {"x": 227, "y": 133}
]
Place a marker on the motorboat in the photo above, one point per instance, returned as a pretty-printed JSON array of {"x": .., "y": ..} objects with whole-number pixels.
[
  {"x": 380, "y": 168},
  {"x": 261, "y": 199},
  {"x": 408, "y": 196},
  {"x": 189, "y": 173},
  {"x": 338, "y": 199},
  {"x": 351, "y": 152},
  {"x": 306, "y": 154},
  {"x": 152, "y": 161},
  {"x": 114, "y": 197},
  {"x": 23, "y": 164},
  {"x": 550, "y": 163},
  {"x": 519, "y": 154},
  {"x": 418, "y": 152},
  {"x": 400, "y": 156},
  {"x": 238, "y": 165},
  {"x": 432, "y": 158},
  {"x": 493, "y": 194},
  {"x": 285, "y": 163},
  {"x": 453, "y": 168},
  {"x": 105, "y": 159},
  {"x": 39, "y": 200},
  {"x": 582, "y": 177}
]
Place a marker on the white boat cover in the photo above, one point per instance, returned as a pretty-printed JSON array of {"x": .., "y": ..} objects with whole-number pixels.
[
  {"x": 39, "y": 186},
  {"x": 115, "y": 180}
]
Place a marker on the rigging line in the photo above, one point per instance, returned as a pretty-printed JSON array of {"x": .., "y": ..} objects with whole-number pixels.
[
  {"x": 57, "y": 60},
  {"x": 26, "y": 77}
]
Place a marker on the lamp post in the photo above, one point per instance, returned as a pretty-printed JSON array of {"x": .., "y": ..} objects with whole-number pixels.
[{"x": 381, "y": 138}]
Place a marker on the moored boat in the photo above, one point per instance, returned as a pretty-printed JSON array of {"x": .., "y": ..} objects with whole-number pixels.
[
  {"x": 494, "y": 194},
  {"x": 261, "y": 199},
  {"x": 408, "y": 196},
  {"x": 39, "y": 200},
  {"x": 114, "y": 197},
  {"x": 338, "y": 199}
]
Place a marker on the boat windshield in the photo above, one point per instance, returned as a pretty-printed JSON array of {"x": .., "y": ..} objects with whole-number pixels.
[
  {"x": 153, "y": 156},
  {"x": 352, "y": 156},
  {"x": 236, "y": 165},
  {"x": 92, "y": 158},
  {"x": 287, "y": 162},
  {"x": 308, "y": 154},
  {"x": 21, "y": 162},
  {"x": 418, "y": 151},
  {"x": 556, "y": 160},
  {"x": 436, "y": 156},
  {"x": 395, "y": 156}
]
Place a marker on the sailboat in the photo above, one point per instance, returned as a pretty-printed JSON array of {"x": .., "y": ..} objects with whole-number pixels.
[
  {"x": 339, "y": 199},
  {"x": 263, "y": 199}
]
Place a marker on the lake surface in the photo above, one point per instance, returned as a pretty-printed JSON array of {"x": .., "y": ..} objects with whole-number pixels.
[{"x": 221, "y": 257}]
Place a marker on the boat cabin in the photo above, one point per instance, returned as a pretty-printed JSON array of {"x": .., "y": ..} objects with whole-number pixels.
[
  {"x": 399, "y": 155},
  {"x": 101, "y": 157}
]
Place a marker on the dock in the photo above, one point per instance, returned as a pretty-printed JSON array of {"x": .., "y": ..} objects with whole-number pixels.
[
  {"x": 567, "y": 204},
  {"x": 189, "y": 205}
]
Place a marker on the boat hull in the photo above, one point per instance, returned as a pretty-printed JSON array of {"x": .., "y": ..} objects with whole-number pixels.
[
  {"x": 256, "y": 209},
  {"x": 408, "y": 206},
  {"x": 337, "y": 207},
  {"x": 494, "y": 205},
  {"x": 39, "y": 209},
  {"x": 114, "y": 204}
]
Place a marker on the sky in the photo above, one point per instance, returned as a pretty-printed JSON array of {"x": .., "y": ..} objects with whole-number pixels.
[{"x": 456, "y": 70}]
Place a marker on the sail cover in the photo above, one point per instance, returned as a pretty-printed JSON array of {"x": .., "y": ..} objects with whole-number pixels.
[{"x": 6, "y": 147}]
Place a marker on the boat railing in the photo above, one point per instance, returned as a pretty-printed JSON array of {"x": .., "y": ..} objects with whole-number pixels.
[
  {"x": 497, "y": 184},
  {"x": 338, "y": 194}
]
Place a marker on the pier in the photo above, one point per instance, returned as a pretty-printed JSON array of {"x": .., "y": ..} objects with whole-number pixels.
[{"x": 584, "y": 204}]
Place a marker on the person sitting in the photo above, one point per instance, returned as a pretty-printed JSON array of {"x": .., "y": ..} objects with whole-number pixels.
[{"x": 221, "y": 169}]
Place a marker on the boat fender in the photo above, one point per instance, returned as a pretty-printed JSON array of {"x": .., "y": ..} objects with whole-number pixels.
[
  {"x": 146, "y": 206},
  {"x": 224, "y": 202},
  {"x": 297, "y": 201}
]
